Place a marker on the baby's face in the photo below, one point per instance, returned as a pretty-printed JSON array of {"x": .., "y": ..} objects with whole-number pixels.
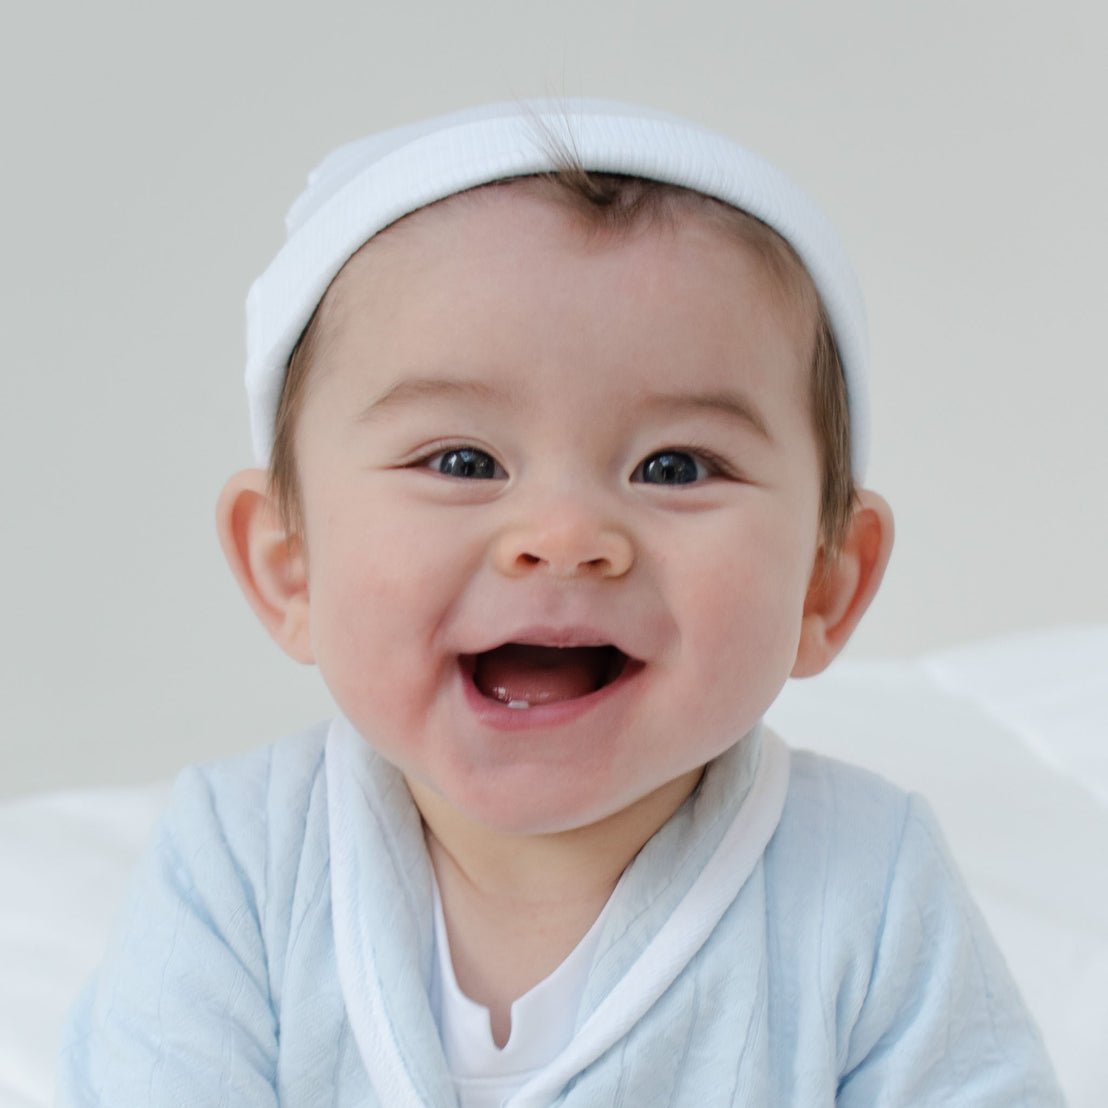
[{"x": 561, "y": 499}]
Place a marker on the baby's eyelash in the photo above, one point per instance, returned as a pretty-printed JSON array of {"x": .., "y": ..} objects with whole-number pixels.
[{"x": 718, "y": 465}]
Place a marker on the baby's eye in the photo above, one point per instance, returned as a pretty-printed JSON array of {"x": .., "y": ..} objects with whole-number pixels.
[
  {"x": 466, "y": 461},
  {"x": 670, "y": 467}
]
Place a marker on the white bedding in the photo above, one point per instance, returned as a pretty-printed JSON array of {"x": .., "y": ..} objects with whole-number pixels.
[{"x": 1006, "y": 739}]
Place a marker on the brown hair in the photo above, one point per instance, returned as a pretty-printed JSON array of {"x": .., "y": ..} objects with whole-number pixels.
[{"x": 616, "y": 203}]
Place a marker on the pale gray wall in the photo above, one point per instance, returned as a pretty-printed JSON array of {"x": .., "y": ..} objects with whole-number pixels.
[{"x": 150, "y": 151}]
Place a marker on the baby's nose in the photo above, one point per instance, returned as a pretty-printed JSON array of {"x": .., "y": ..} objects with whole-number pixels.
[{"x": 564, "y": 542}]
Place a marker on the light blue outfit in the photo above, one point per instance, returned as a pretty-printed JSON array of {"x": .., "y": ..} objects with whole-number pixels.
[{"x": 795, "y": 935}]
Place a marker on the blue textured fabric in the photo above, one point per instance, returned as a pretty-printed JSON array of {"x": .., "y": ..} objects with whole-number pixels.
[{"x": 851, "y": 968}]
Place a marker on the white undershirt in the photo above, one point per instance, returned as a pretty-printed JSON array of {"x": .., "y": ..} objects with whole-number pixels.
[{"x": 542, "y": 1020}]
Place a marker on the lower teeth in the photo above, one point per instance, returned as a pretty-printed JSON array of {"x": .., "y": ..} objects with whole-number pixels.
[{"x": 518, "y": 704}]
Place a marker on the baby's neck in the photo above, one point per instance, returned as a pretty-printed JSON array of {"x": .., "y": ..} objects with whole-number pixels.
[{"x": 515, "y": 906}]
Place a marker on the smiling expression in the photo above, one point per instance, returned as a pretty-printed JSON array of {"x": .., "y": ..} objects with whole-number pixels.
[{"x": 560, "y": 499}]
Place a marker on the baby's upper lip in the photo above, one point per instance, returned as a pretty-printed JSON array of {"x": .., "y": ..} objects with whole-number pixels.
[{"x": 556, "y": 636}]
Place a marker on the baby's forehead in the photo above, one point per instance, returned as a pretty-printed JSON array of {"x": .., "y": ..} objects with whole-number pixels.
[
  {"x": 509, "y": 284},
  {"x": 599, "y": 211}
]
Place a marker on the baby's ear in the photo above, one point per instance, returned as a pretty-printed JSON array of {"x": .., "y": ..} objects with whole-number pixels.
[
  {"x": 267, "y": 562},
  {"x": 843, "y": 586}
]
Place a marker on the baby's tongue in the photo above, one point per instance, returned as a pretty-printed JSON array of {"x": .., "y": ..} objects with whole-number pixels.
[{"x": 540, "y": 674}]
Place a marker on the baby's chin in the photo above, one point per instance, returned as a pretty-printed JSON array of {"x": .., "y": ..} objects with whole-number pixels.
[
  {"x": 517, "y": 809},
  {"x": 539, "y": 808}
]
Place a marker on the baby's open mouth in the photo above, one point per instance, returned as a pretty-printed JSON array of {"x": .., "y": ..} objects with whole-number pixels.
[{"x": 522, "y": 675}]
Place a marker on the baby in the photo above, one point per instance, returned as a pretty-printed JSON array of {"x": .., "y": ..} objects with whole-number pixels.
[{"x": 561, "y": 410}]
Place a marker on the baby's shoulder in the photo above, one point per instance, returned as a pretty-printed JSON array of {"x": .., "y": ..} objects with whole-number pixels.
[
  {"x": 280, "y": 777},
  {"x": 827, "y": 797},
  {"x": 856, "y": 839},
  {"x": 260, "y": 817}
]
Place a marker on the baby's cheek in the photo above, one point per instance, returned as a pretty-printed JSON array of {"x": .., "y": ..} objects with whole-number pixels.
[{"x": 750, "y": 628}]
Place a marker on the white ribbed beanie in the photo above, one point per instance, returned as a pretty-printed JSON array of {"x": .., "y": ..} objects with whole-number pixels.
[{"x": 362, "y": 187}]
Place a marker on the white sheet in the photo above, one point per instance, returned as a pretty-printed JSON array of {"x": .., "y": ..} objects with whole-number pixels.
[{"x": 64, "y": 861}]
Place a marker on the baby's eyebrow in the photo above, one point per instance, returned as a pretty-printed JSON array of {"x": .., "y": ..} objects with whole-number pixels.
[
  {"x": 414, "y": 389},
  {"x": 732, "y": 404}
]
